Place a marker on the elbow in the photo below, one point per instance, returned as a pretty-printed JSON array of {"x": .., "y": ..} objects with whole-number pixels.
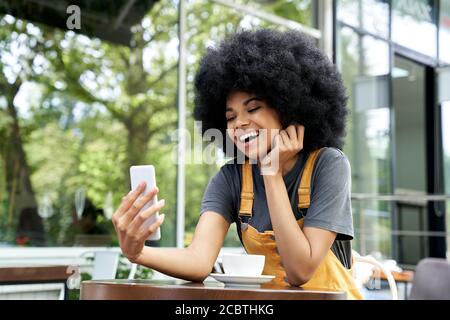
[
  {"x": 298, "y": 278},
  {"x": 297, "y": 281},
  {"x": 196, "y": 277},
  {"x": 201, "y": 276},
  {"x": 202, "y": 268},
  {"x": 201, "y": 273}
]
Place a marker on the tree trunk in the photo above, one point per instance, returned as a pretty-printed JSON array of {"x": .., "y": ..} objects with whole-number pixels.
[
  {"x": 22, "y": 201},
  {"x": 138, "y": 138}
]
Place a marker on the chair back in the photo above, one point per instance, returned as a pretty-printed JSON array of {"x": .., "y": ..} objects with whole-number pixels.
[
  {"x": 378, "y": 265},
  {"x": 431, "y": 280},
  {"x": 105, "y": 265}
]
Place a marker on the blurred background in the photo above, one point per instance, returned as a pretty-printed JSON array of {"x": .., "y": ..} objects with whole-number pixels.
[{"x": 79, "y": 107}]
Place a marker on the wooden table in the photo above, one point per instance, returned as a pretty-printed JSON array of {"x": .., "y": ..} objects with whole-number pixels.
[
  {"x": 34, "y": 274},
  {"x": 183, "y": 290}
]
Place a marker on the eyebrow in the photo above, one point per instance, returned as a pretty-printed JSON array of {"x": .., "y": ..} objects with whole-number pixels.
[{"x": 246, "y": 102}]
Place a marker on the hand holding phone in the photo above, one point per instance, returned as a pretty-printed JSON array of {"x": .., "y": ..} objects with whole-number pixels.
[
  {"x": 146, "y": 173},
  {"x": 137, "y": 219}
]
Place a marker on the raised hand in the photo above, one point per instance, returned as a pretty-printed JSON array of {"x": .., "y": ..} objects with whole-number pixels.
[
  {"x": 287, "y": 143},
  {"x": 128, "y": 222}
]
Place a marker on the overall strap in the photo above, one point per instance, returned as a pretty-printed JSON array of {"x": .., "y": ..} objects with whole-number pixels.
[
  {"x": 246, "y": 190},
  {"x": 304, "y": 189}
]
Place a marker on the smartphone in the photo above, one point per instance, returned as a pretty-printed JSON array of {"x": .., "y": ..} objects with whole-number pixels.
[{"x": 147, "y": 174}]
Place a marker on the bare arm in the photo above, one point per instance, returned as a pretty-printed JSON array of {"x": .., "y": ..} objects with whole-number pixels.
[
  {"x": 301, "y": 251},
  {"x": 195, "y": 262}
]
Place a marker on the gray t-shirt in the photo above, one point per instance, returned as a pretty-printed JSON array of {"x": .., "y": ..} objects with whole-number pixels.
[{"x": 330, "y": 207}]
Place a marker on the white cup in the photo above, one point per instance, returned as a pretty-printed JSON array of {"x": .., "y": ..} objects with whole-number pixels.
[{"x": 243, "y": 264}]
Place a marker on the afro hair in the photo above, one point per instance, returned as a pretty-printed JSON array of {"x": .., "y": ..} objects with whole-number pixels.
[{"x": 287, "y": 70}]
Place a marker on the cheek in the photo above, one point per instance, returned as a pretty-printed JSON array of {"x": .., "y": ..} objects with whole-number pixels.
[
  {"x": 230, "y": 133},
  {"x": 270, "y": 135}
]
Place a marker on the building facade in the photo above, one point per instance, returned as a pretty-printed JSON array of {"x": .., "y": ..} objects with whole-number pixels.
[{"x": 394, "y": 56}]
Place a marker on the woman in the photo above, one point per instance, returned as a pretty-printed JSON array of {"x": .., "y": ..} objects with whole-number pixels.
[{"x": 278, "y": 98}]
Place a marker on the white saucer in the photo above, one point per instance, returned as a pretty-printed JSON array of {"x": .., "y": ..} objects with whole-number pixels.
[{"x": 229, "y": 279}]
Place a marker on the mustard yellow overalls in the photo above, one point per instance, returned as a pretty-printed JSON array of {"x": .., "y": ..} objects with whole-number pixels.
[{"x": 330, "y": 275}]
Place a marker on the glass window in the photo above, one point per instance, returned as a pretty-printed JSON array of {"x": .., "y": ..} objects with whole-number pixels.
[
  {"x": 370, "y": 15},
  {"x": 444, "y": 32},
  {"x": 81, "y": 109},
  {"x": 446, "y": 142},
  {"x": 408, "y": 99},
  {"x": 296, "y": 10},
  {"x": 216, "y": 21},
  {"x": 444, "y": 100},
  {"x": 364, "y": 64},
  {"x": 446, "y": 148},
  {"x": 414, "y": 25}
]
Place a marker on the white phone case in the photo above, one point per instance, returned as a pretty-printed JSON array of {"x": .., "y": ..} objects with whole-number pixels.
[{"x": 147, "y": 174}]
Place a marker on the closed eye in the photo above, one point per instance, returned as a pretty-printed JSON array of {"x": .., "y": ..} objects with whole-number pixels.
[{"x": 254, "y": 109}]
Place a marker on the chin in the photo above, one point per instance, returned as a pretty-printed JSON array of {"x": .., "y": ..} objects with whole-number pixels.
[
  {"x": 252, "y": 156},
  {"x": 255, "y": 155}
]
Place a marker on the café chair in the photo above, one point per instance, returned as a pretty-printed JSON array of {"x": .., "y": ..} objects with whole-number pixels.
[
  {"x": 431, "y": 280},
  {"x": 133, "y": 271},
  {"x": 376, "y": 265},
  {"x": 105, "y": 264}
]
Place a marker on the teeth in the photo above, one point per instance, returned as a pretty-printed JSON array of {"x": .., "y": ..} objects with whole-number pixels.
[{"x": 248, "y": 135}]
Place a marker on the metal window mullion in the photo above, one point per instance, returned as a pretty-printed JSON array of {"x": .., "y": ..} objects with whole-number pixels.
[
  {"x": 272, "y": 18},
  {"x": 181, "y": 124}
]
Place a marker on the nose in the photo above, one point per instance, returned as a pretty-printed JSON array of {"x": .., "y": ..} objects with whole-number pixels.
[{"x": 242, "y": 121}]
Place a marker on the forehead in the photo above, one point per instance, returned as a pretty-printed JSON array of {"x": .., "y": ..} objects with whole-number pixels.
[{"x": 239, "y": 98}]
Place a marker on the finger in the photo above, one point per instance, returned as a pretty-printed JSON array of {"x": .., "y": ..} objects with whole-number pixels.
[
  {"x": 293, "y": 137},
  {"x": 276, "y": 140},
  {"x": 140, "y": 219},
  {"x": 292, "y": 132},
  {"x": 138, "y": 205},
  {"x": 153, "y": 227},
  {"x": 129, "y": 199},
  {"x": 285, "y": 138},
  {"x": 300, "y": 134},
  {"x": 123, "y": 207}
]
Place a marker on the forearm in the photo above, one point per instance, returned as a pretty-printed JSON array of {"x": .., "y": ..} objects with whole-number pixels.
[
  {"x": 292, "y": 244},
  {"x": 179, "y": 263}
]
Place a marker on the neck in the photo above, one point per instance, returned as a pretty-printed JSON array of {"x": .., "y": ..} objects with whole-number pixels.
[
  {"x": 286, "y": 166},
  {"x": 289, "y": 165}
]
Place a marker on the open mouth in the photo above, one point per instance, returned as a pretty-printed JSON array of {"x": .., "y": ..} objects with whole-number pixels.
[{"x": 245, "y": 138}]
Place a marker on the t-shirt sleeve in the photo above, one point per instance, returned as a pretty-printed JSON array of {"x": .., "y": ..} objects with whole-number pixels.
[
  {"x": 330, "y": 207},
  {"x": 218, "y": 196}
]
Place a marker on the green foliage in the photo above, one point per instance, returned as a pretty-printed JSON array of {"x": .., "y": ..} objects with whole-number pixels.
[
  {"x": 124, "y": 268},
  {"x": 93, "y": 108}
]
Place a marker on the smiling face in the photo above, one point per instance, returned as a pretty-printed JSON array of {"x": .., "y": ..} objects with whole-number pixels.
[{"x": 251, "y": 124}]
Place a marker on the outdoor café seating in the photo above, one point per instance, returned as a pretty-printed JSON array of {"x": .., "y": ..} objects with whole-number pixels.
[{"x": 431, "y": 280}]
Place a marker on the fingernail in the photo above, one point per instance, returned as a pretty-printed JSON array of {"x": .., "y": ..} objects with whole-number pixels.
[
  {"x": 141, "y": 184},
  {"x": 161, "y": 218},
  {"x": 161, "y": 202}
]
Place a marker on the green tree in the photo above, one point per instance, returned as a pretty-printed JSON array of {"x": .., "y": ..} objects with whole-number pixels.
[
  {"x": 99, "y": 107},
  {"x": 15, "y": 46}
]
